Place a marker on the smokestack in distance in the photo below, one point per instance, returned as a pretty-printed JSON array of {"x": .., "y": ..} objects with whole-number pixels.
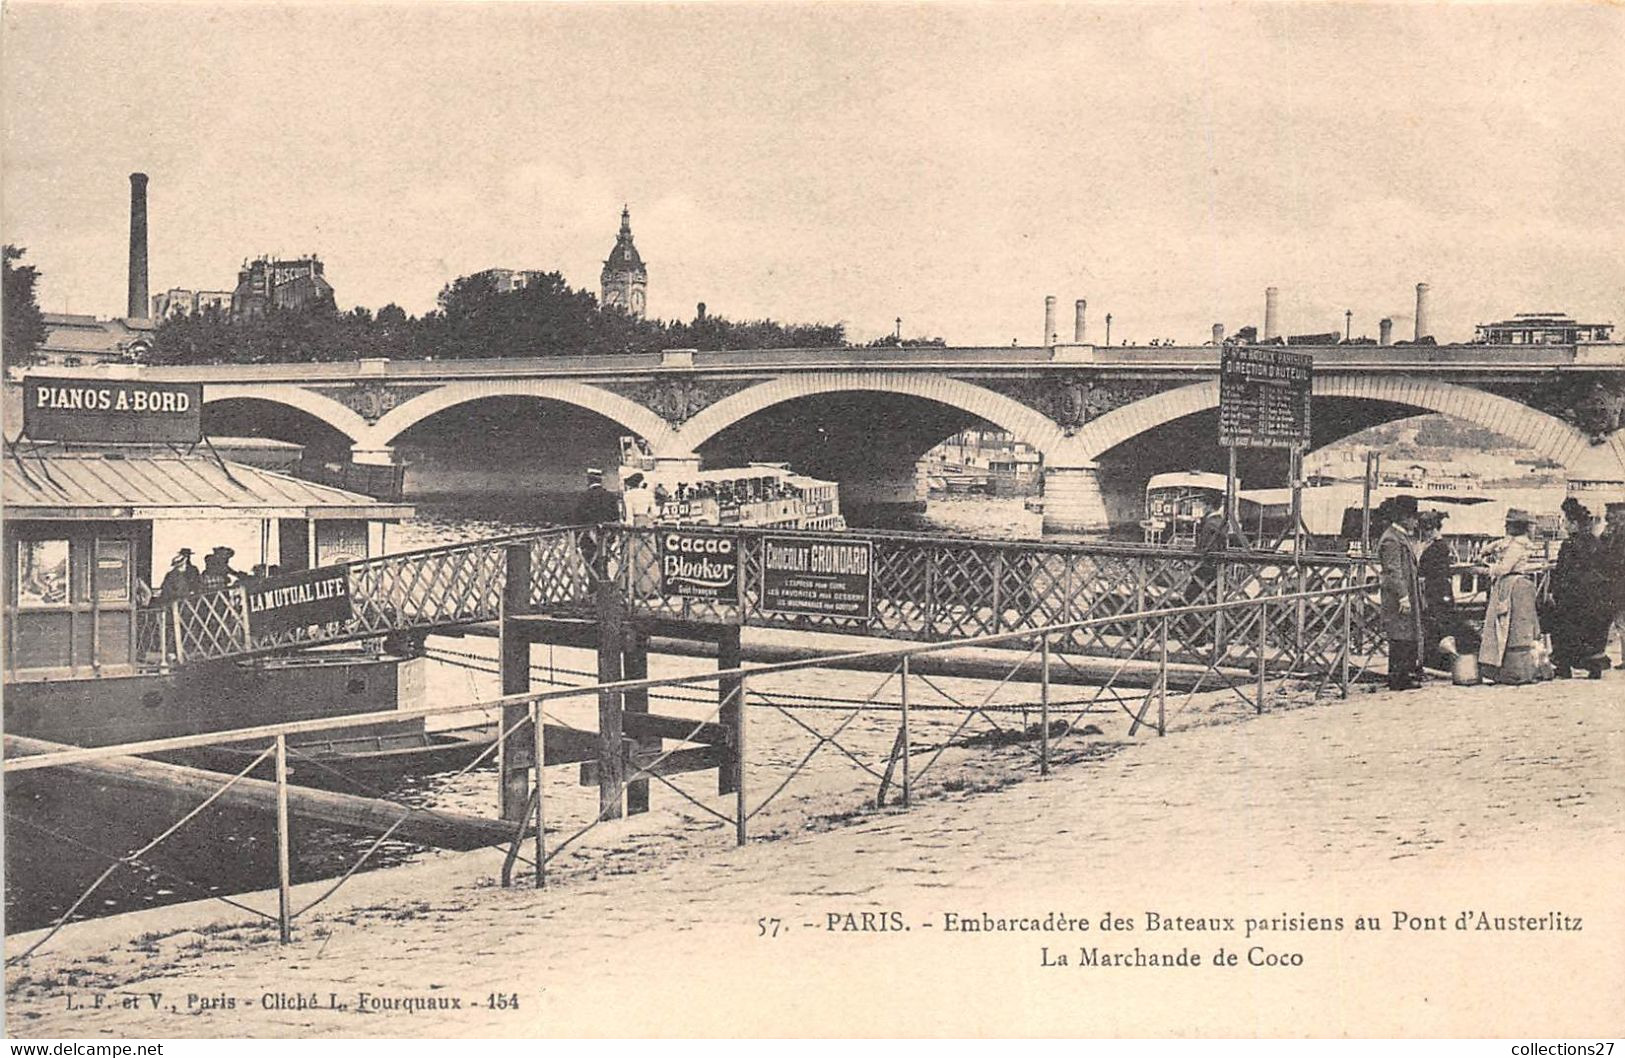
[
  {"x": 1049, "y": 319},
  {"x": 138, "y": 308},
  {"x": 1272, "y": 323},
  {"x": 1385, "y": 331},
  {"x": 1424, "y": 326},
  {"x": 1079, "y": 326},
  {"x": 1218, "y": 334}
]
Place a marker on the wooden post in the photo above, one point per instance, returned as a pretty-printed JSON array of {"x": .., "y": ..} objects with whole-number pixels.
[
  {"x": 1043, "y": 707},
  {"x": 1162, "y": 684},
  {"x": 1343, "y": 663},
  {"x": 512, "y": 769},
  {"x": 908, "y": 778},
  {"x": 538, "y": 729},
  {"x": 635, "y": 666},
  {"x": 1263, "y": 644},
  {"x": 740, "y": 816},
  {"x": 731, "y": 704},
  {"x": 284, "y": 893},
  {"x": 611, "y": 751}
]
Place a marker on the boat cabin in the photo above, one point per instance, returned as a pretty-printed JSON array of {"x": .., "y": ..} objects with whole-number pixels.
[{"x": 91, "y": 529}]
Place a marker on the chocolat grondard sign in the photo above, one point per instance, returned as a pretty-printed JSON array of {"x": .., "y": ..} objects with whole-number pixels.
[
  {"x": 1264, "y": 394},
  {"x": 699, "y": 565},
  {"x": 81, "y": 409},
  {"x": 818, "y": 578},
  {"x": 298, "y": 600}
]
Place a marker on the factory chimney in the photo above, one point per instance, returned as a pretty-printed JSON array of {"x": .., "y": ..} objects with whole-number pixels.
[
  {"x": 138, "y": 308},
  {"x": 1385, "y": 331},
  {"x": 1079, "y": 326},
  {"x": 1218, "y": 334},
  {"x": 1272, "y": 322},
  {"x": 1424, "y": 328},
  {"x": 1049, "y": 319}
]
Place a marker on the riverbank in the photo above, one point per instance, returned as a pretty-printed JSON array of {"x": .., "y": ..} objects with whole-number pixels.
[{"x": 1507, "y": 801}]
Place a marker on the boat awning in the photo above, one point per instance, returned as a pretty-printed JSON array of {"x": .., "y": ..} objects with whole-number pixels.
[{"x": 142, "y": 482}]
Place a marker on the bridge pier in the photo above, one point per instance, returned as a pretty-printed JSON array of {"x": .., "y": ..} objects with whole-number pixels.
[{"x": 1073, "y": 500}]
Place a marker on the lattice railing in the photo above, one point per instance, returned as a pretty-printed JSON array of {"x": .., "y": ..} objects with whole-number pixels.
[{"x": 925, "y": 588}]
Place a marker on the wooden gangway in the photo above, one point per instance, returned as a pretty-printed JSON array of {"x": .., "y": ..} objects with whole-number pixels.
[{"x": 923, "y": 588}]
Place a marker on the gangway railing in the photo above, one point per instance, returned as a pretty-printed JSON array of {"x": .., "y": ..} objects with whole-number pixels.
[{"x": 920, "y": 587}]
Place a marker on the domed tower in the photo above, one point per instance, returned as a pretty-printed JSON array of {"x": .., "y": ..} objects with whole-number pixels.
[{"x": 625, "y": 281}]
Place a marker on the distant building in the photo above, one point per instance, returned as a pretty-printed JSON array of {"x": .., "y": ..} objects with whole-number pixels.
[
  {"x": 507, "y": 280},
  {"x": 1542, "y": 328},
  {"x": 625, "y": 281},
  {"x": 74, "y": 340},
  {"x": 178, "y": 302},
  {"x": 265, "y": 284}
]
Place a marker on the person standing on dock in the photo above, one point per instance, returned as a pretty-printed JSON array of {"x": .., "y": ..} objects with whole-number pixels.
[
  {"x": 1506, "y": 653},
  {"x": 1613, "y": 566},
  {"x": 1401, "y": 595},
  {"x": 183, "y": 578},
  {"x": 598, "y": 507},
  {"x": 1433, "y": 571},
  {"x": 1579, "y": 611}
]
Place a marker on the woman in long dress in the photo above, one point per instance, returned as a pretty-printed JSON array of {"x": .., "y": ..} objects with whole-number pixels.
[{"x": 1506, "y": 652}]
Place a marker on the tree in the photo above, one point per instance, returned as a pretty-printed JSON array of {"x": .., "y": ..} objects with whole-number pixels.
[{"x": 24, "y": 326}]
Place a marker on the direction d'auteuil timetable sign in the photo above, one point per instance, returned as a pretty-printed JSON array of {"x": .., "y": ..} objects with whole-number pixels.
[
  {"x": 83, "y": 409},
  {"x": 1264, "y": 395}
]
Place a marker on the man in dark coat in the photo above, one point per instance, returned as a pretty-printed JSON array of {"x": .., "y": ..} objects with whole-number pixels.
[
  {"x": 1434, "y": 570},
  {"x": 1401, "y": 594},
  {"x": 1580, "y": 609},
  {"x": 597, "y": 507},
  {"x": 1613, "y": 566},
  {"x": 183, "y": 578}
]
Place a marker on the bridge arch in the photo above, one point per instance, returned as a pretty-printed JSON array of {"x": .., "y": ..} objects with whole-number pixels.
[
  {"x": 631, "y": 416},
  {"x": 1545, "y": 434},
  {"x": 324, "y": 408},
  {"x": 1024, "y": 423}
]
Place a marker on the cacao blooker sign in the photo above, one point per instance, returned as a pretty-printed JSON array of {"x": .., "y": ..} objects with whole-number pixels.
[
  {"x": 1264, "y": 396},
  {"x": 699, "y": 565},
  {"x": 78, "y": 409},
  {"x": 298, "y": 600},
  {"x": 818, "y": 578}
]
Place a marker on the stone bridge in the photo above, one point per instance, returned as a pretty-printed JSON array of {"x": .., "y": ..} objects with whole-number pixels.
[{"x": 864, "y": 416}]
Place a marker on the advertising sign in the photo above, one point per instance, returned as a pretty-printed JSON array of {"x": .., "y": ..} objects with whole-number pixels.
[
  {"x": 298, "y": 600},
  {"x": 1264, "y": 395},
  {"x": 699, "y": 565},
  {"x": 77, "y": 409},
  {"x": 818, "y": 578}
]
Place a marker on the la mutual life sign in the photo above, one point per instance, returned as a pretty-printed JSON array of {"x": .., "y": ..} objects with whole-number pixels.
[
  {"x": 298, "y": 600},
  {"x": 78, "y": 409},
  {"x": 1264, "y": 396}
]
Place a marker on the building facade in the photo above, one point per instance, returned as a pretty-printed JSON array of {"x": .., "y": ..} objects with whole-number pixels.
[
  {"x": 178, "y": 302},
  {"x": 1542, "y": 328},
  {"x": 73, "y": 340},
  {"x": 625, "y": 281},
  {"x": 265, "y": 284}
]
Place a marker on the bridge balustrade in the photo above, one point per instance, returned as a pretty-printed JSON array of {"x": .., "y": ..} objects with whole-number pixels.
[{"x": 925, "y": 588}]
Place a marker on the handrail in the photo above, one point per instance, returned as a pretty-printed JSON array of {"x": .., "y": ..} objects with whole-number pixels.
[{"x": 79, "y": 755}]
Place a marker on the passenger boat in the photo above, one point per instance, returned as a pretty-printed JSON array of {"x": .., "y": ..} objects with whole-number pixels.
[
  {"x": 1172, "y": 514},
  {"x": 89, "y": 529},
  {"x": 758, "y": 495}
]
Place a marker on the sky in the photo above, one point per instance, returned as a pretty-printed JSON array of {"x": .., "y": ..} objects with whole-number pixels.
[{"x": 949, "y": 164}]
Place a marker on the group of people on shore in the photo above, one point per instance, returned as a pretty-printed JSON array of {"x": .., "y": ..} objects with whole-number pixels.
[{"x": 1579, "y": 608}]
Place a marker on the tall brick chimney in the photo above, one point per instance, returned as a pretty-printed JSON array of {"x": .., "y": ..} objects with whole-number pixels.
[
  {"x": 1385, "y": 331},
  {"x": 1424, "y": 327},
  {"x": 1049, "y": 320},
  {"x": 138, "y": 307},
  {"x": 1080, "y": 321},
  {"x": 1272, "y": 327}
]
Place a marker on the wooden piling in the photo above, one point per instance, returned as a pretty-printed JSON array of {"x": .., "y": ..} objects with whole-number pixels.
[
  {"x": 512, "y": 764},
  {"x": 284, "y": 877},
  {"x": 635, "y": 666},
  {"x": 611, "y": 752}
]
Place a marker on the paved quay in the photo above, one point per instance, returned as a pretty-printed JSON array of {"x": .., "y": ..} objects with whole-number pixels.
[{"x": 1480, "y": 830}]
